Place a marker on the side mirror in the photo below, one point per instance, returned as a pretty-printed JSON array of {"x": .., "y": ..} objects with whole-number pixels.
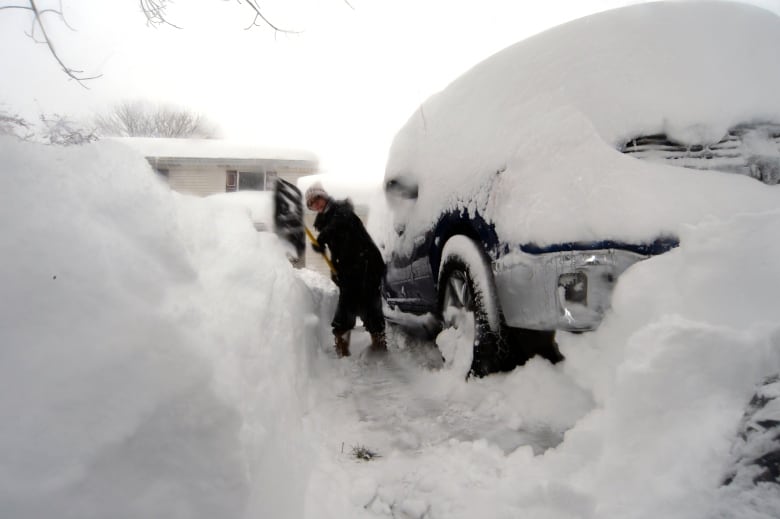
[
  {"x": 401, "y": 188},
  {"x": 401, "y": 194}
]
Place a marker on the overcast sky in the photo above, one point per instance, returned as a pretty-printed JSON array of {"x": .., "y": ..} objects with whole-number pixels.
[{"x": 341, "y": 86}]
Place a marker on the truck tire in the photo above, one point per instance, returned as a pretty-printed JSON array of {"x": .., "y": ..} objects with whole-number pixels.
[{"x": 466, "y": 286}]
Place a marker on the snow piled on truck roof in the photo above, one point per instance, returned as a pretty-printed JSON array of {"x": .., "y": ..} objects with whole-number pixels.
[{"x": 529, "y": 137}]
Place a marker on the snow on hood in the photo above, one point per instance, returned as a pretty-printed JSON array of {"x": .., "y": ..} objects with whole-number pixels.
[{"x": 529, "y": 137}]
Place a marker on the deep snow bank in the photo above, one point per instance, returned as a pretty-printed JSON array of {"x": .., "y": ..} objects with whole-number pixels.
[
  {"x": 151, "y": 361},
  {"x": 691, "y": 335}
]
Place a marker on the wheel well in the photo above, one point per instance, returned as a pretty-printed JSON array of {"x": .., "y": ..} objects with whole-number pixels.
[{"x": 453, "y": 224}]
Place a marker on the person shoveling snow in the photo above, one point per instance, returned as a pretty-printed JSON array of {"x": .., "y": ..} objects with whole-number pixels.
[{"x": 357, "y": 268}]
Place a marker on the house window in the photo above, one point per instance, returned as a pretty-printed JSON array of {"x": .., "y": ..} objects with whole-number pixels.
[
  {"x": 250, "y": 180},
  {"x": 253, "y": 181},
  {"x": 231, "y": 181}
]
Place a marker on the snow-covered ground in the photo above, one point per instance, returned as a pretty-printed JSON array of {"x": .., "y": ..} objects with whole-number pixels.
[{"x": 161, "y": 358}]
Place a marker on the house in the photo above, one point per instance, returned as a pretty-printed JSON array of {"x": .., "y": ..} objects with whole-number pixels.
[
  {"x": 208, "y": 166},
  {"x": 204, "y": 167}
]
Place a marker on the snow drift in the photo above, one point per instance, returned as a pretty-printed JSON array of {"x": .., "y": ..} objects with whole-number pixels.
[{"x": 144, "y": 368}]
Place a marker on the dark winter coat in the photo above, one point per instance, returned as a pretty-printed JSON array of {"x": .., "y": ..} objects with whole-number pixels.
[
  {"x": 359, "y": 267},
  {"x": 352, "y": 250}
]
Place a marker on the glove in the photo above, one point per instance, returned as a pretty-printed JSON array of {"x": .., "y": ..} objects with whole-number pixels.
[{"x": 316, "y": 247}]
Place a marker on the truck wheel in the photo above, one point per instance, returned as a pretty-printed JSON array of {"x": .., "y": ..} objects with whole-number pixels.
[{"x": 467, "y": 303}]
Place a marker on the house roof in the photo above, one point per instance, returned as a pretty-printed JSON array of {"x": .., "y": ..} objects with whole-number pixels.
[{"x": 165, "y": 148}]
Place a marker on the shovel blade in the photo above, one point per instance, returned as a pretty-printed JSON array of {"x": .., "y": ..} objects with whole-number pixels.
[{"x": 288, "y": 215}]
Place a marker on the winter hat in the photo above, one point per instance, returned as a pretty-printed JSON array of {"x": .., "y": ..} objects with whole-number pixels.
[{"x": 315, "y": 191}]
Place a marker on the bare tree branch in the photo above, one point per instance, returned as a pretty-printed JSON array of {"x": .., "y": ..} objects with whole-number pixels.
[
  {"x": 38, "y": 22},
  {"x": 59, "y": 130},
  {"x": 14, "y": 124},
  {"x": 142, "y": 119},
  {"x": 55, "y": 129},
  {"x": 258, "y": 15},
  {"x": 154, "y": 10},
  {"x": 61, "y": 14}
]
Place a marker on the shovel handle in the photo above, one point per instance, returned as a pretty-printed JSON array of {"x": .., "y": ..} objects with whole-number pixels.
[{"x": 314, "y": 241}]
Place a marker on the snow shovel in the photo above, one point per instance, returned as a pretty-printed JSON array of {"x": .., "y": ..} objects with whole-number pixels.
[
  {"x": 288, "y": 215},
  {"x": 314, "y": 242}
]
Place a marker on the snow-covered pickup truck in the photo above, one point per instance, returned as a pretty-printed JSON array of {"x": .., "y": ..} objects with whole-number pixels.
[{"x": 522, "y": 191}]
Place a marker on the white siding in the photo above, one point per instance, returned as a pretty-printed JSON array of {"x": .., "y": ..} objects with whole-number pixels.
[{"x": 201, "y": 181}]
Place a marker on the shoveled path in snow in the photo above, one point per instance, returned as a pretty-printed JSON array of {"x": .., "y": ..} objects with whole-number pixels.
[
  {"x": 420, "y": 418},
  {"x": 406, "y": 400},
  {"x": 442, "y": 444}
]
